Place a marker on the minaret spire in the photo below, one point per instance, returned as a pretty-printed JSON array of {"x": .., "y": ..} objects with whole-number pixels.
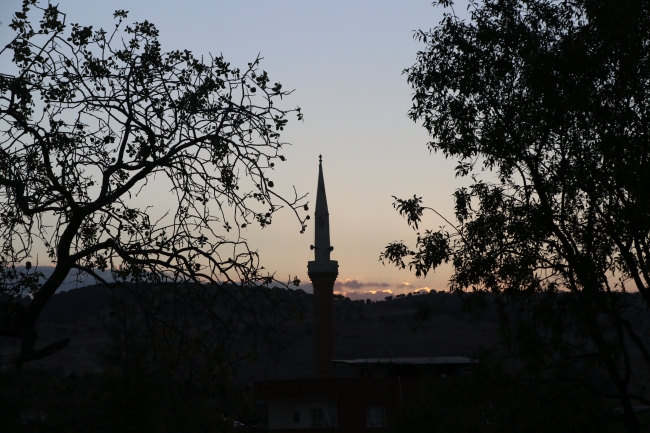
[
  {"x": 322, "y": 272},
  {"x": 322, "y": 244}
]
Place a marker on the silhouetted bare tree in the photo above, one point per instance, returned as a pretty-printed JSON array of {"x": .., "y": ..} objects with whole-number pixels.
[
  {"x": 90, "y": 120},
  {"x": 551, "y": 98}
]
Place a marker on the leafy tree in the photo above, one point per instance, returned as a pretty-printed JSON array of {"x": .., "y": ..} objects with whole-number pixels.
[
  {"x": 549, "y": 100},
  {"x": 148, "y": 383},
  {"x": 161, "y": 374},
  {"x": 90, "y": 120},
  {"x": 486, "y": 399}
]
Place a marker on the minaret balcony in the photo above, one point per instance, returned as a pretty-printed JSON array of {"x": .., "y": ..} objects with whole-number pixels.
[{"x": 323, "y": 267}]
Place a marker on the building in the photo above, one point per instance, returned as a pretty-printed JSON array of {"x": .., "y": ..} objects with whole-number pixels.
[
  {"x": 361, "y": 394},
  {"x": 344, "y": 395}
]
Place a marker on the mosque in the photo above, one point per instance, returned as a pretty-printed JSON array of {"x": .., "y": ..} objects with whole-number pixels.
[{"x": 353, "y": 395}]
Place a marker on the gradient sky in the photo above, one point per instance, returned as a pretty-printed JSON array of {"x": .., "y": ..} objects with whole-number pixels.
[{"x": 345, "y": 61}]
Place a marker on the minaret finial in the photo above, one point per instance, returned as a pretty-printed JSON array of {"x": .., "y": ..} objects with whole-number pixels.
[{"x": 320, "y": 159}]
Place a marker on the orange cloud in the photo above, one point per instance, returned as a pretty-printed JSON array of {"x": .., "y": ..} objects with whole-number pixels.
[
  {"x": 356, "y": 284},
  {"x": 374, "y": 292}
]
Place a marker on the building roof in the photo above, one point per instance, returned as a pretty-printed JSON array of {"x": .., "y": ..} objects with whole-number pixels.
[{"x": 434, "y": 360}]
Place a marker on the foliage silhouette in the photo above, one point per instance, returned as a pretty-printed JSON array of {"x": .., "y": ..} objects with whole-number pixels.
[
  {"x": 90, "y": 121},
  {"x": 486, "y": 399},
  {"x": 149, "y": 382},
  {"x": 549, "y": 100}
]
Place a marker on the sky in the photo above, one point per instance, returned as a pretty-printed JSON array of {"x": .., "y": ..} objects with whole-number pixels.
[{"x": 345, "y": 60}]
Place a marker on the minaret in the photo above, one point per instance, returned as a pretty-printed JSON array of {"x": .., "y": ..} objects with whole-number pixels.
[{"x": 322, "y": 273}]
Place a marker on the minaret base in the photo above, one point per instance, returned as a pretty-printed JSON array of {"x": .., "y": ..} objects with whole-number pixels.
[{"x": 323, "y": 276}]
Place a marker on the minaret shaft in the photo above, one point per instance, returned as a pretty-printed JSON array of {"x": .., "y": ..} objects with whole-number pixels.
[{"x": 323, "y": 272}]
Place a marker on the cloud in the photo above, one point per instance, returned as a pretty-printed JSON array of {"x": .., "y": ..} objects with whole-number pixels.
[
  {"x": 374, "y": 292},
  {"x": 356, "y": 284},
  {"x": 355, "y": 289}
]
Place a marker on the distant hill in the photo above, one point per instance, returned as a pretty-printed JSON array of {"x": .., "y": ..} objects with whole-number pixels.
[
  {"x": 362, "y": 330},
  {"x": 74, "y": 305}
]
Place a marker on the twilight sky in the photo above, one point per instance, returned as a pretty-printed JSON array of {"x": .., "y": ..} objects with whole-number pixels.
[{"x": 345, "y": 60}]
